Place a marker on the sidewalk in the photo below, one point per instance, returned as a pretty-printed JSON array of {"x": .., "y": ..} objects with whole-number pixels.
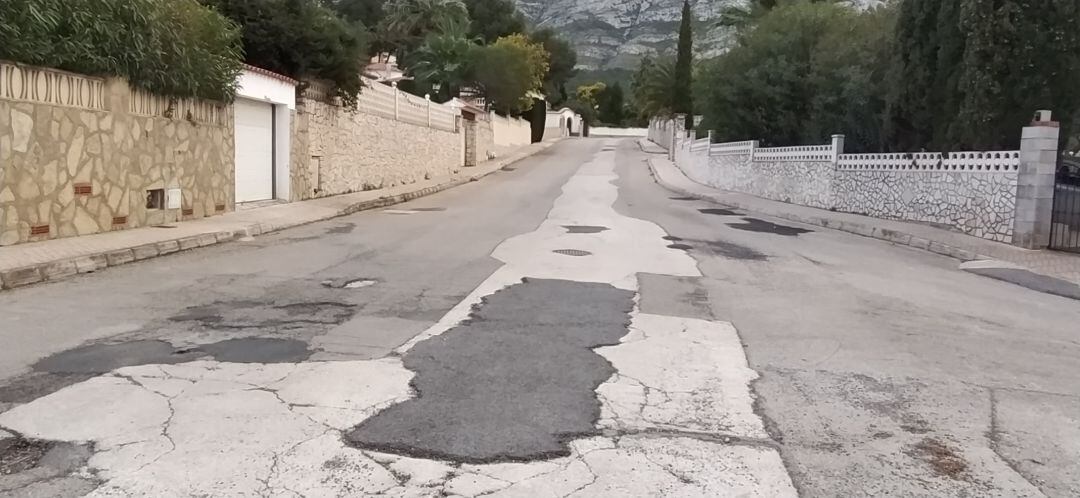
[
  {"x": 56, "y": 259},
  {"x": 1007, "y": 262}
]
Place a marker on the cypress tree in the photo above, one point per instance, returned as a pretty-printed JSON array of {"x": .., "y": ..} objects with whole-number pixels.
[{"x": 682, "y": 100}]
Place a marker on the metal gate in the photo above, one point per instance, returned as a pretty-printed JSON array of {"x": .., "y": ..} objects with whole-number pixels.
[{"x": 1065, "y": 231}]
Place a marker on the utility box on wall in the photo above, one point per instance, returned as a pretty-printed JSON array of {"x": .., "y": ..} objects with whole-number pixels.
[{"x": 173, "y": 198}]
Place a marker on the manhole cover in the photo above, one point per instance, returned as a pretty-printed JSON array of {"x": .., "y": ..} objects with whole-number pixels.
[
  {"x": 584, "y": 228},
  {"x": 508, "y": 168},
  {"x": 572, "y": 252},
  {"x": 673, "y": 238},
  {"x": 683, "y": 198},
  {"x": 682, "y": 247}
]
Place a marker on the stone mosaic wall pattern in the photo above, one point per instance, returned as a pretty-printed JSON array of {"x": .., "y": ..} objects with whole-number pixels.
[
  {"x": 351, "y": 151},
  {"x": 972, "y": 192},
  {"x": 76, "y": 166},
  {"x": 979, "y": 204}
]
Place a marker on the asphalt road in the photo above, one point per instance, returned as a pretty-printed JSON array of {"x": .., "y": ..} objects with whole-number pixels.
[{"x": 883, "y": 370}]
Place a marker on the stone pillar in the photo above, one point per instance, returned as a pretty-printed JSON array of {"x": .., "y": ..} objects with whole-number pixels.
[
  {"x": 678, "y": 130},
  {"x": 1035, "y": 183},
  {"x": 837, "y": 148}
]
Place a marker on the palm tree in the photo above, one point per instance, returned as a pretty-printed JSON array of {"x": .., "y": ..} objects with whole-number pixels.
[
  {"x": 443, "y": 60},
  {"x": 408, "y": 22}
]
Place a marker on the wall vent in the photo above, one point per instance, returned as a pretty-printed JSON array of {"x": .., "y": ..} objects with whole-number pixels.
[
  {"x": 219, "y": 207},
  {"x": 83, "y": 189},
  {"x": 187, "y": 211},
  {"x": 119, "y": 220},
  {"x": 39, "y": 230}
]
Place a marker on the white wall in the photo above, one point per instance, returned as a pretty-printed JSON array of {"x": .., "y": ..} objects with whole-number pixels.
[
  {"x": 510, "y": 132},
  {"x": 603, "y": 131}
]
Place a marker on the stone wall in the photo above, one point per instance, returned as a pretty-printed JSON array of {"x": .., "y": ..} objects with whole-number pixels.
[
  {"x": 971, "y": 192},
  {"x": 83, "y": 163},
  {"x": 350, "y": 151}
]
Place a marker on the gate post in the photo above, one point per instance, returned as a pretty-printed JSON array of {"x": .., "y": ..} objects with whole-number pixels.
[{"x": 1035, "y": 183}]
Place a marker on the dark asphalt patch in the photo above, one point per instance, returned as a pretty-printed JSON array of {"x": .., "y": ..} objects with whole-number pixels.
[
  {"x": 683, "y": 198},
  {"x": 342, "y": 229},
  {"x": 733, "y": 251},
  {"x": 313, "y": 316},
  {"x": 673, "y": 238},
  {"x": 259, "y": 350},
  {"x": 719, "y": 212},
  {"x": 584, "y": 228},
  {"x": 515, "y": 382},
  {"x": 508, "y": 168},
  {"x": 19, "y": 455},
  {"x": 682, "y": 247},
  {"x": 1031, "y": 280},
  {"x": 667, "y": 295},
  {"x": 762, "y": 226},
  {"x": 572, "y": 252},
  {"x": 103, "y": 358}
]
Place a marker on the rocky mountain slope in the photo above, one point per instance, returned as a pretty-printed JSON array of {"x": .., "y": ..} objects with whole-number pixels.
[{"x": 614, "y": 34}]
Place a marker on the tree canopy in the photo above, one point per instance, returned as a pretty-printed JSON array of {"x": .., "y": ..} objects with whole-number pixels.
[
  {"x": 509, "y": 71},
  {"x": 170, "y": 47},
  {"x": 562, "y": 63},
  {"x": 302, "y": 39},
  {"x": 493, "y": 19}
]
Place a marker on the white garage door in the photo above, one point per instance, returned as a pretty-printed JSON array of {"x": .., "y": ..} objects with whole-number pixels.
[{"x": 254, "y": 150}]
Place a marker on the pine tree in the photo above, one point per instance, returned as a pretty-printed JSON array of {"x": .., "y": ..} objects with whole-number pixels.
[{"x": 683, "y": 100}]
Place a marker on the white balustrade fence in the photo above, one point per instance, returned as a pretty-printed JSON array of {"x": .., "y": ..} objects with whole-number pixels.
[
  {"x": 389, "y": 102},
  {"x": 992, "y": 161}
]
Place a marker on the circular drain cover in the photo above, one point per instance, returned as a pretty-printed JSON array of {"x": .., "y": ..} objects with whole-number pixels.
[{"x": 572, "y": 252}]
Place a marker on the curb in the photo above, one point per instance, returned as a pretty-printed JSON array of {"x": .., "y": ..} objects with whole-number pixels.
[
  {"x": 870, "y": 231},
  {"x": 61, "y": 269}
]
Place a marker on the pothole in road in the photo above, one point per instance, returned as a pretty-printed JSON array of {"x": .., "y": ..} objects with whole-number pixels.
[
  {"x": 18, "y": 454},
  {"x": 943, "y": 458},
  {"x": 717, "y": 248},
  {"x": 719, "y": 212},
  {"x": 572, "y": 252},
  {"x": 584, "y": 228},
  {"x": 762, "y": 226},
  {"x": 356, "y": 283}
]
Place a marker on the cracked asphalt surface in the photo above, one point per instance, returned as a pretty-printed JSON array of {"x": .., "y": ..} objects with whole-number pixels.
[{"x": 756, "y": 358}]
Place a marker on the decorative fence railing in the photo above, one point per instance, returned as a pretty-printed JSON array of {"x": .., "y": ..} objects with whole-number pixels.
[
  {"x": 200, "y": 111},
  {"x": 808, "y": 153},
  {"x": 991, "y": 161},
  {"x": 50, "y": 86},
  {"x": 733, "y": 148}
]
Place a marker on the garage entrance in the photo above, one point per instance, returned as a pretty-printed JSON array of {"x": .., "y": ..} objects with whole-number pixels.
[{"x": 254, "y": 150}]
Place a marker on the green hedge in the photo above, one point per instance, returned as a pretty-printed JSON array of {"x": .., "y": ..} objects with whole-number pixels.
[{"x": 170, "y": 47}]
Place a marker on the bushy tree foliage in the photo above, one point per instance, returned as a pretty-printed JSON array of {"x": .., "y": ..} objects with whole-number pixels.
[
  {"x": 490, "y": 20},
  {"x": 806, "y": 71},
  {"x": 443, "y": 62},
  {"x": 408, "y": 22},
  {"x": 302, "y": 39},
  {"x": 169, "y": 47},
  {"x": 611, "y": 105},
  {"x": 510, "y": 71},
  {"x": 562, "y": 61}
]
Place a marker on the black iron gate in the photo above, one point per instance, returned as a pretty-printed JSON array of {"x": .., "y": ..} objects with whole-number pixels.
[{"x": 1065, "y": 231}]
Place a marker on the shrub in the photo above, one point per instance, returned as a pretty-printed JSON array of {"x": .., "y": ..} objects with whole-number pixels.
[{"x": 170, "y": 47}]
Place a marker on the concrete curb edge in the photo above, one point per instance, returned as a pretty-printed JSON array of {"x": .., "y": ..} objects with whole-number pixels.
[{"x": 52, "y": 271}]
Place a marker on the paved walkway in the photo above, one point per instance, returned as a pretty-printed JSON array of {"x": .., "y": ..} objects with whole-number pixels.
[
  {"x": 1053, "y": 264},
  {"x": 56, "y": 259}
]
